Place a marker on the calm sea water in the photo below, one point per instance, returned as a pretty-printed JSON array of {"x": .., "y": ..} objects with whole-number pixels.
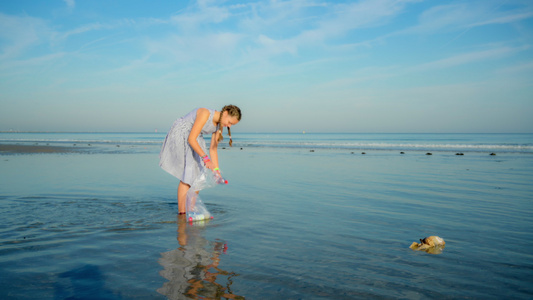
[
  {"x": 505, "y": 142},
  {"x": 303, "y": 217}
]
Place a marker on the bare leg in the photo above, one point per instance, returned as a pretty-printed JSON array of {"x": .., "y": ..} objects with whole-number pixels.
[{"x": 183, "y": 188}]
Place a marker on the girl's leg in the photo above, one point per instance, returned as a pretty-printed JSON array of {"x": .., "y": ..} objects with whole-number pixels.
[{"x": 183, "y": 188}]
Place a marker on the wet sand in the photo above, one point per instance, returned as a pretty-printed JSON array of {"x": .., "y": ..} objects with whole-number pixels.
[{"x": 35, "y": 149}]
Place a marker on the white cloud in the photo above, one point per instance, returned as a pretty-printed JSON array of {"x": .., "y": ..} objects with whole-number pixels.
[
  {"x": 96, "y": 26},
  {"x": 15, "y": 66},
  {"x": 201, "y": 14},
  {"x": 466, "y": 15},
  {"x": 279, "y": 27},
  {"x": 524, "y": 67},
  {"x": 273, "y": 47},
  {"x": 70, "y": 4},
  {"x": 466, "y": 58},
  {"x": 512, "y": 17},
  {"x": 206, "y": 48},
  {"x": 82, "y": 29},
  {"x": 362, "y": 14},
  {"x": 20, "y": 33}
]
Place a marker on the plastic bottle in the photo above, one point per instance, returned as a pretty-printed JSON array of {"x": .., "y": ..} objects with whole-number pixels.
[
  {"x": 191, "y": 217},
  {"x": 220, "y": 180}
]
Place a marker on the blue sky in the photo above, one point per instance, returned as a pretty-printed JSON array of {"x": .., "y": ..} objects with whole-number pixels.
[{"x": 318, "y": 66}]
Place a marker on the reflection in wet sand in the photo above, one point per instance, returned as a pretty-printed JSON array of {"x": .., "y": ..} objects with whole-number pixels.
[{"x": 192, "y": 270}]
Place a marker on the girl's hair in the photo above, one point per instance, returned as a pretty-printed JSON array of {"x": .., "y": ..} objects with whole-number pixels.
[{"x": 233, "y": 111}]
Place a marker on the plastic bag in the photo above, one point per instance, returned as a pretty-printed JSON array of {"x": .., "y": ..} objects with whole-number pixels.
[{"x": 195, "y": 208}]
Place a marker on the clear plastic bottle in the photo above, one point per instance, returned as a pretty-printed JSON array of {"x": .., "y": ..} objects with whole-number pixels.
[
  {"x": 219, "y": 179},
  {"x": 194, "y": 216}
]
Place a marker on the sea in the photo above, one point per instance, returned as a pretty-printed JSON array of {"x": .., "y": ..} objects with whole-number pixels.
[
  {"x": 303, "y": 216},
  {"x": 479, "y": 142}
]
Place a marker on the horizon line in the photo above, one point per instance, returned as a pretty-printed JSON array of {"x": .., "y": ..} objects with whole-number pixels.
[{"x": 265, "y": 132}]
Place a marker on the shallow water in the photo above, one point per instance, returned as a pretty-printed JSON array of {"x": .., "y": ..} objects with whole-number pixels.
[{"x": 291, "y": 224}]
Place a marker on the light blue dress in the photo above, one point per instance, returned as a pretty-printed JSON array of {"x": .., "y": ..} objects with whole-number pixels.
[{"x": 176, "y": 156}]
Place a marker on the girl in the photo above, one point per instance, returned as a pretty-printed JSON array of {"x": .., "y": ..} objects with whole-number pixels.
[{"x": 184, "y": 151}]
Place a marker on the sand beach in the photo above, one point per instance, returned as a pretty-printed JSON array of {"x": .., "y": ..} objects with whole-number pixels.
[{"x": 28, "y": 149}]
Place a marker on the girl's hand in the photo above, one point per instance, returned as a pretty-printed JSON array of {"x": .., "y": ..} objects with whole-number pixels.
[{"x": 210, "y": 165}]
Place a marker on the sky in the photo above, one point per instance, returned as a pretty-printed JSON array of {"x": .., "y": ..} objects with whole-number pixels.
[{"x": 297, "y": 65}]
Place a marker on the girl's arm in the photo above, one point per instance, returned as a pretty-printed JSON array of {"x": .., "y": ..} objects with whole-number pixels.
[
  {"x": 214, "y": 147},
  {"x": 202, "y": 115}
]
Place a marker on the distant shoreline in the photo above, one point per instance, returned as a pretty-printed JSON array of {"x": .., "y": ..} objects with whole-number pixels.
[
  {"x": 33, "y": 149},
  {"x": 24, "y": 131}
]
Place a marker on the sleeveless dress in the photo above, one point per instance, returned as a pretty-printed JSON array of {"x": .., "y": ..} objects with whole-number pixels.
[{"x": 176, "y": 156}]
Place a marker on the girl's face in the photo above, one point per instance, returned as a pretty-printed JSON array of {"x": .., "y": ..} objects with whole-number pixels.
[{"x": 227, "y": 120}]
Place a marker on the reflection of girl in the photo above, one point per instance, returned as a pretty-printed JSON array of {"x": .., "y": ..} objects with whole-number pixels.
[
  {"x": 181, "y": 265},
  {"x": 192, "y": 269},
  {"x": 184, "y": 151}
]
